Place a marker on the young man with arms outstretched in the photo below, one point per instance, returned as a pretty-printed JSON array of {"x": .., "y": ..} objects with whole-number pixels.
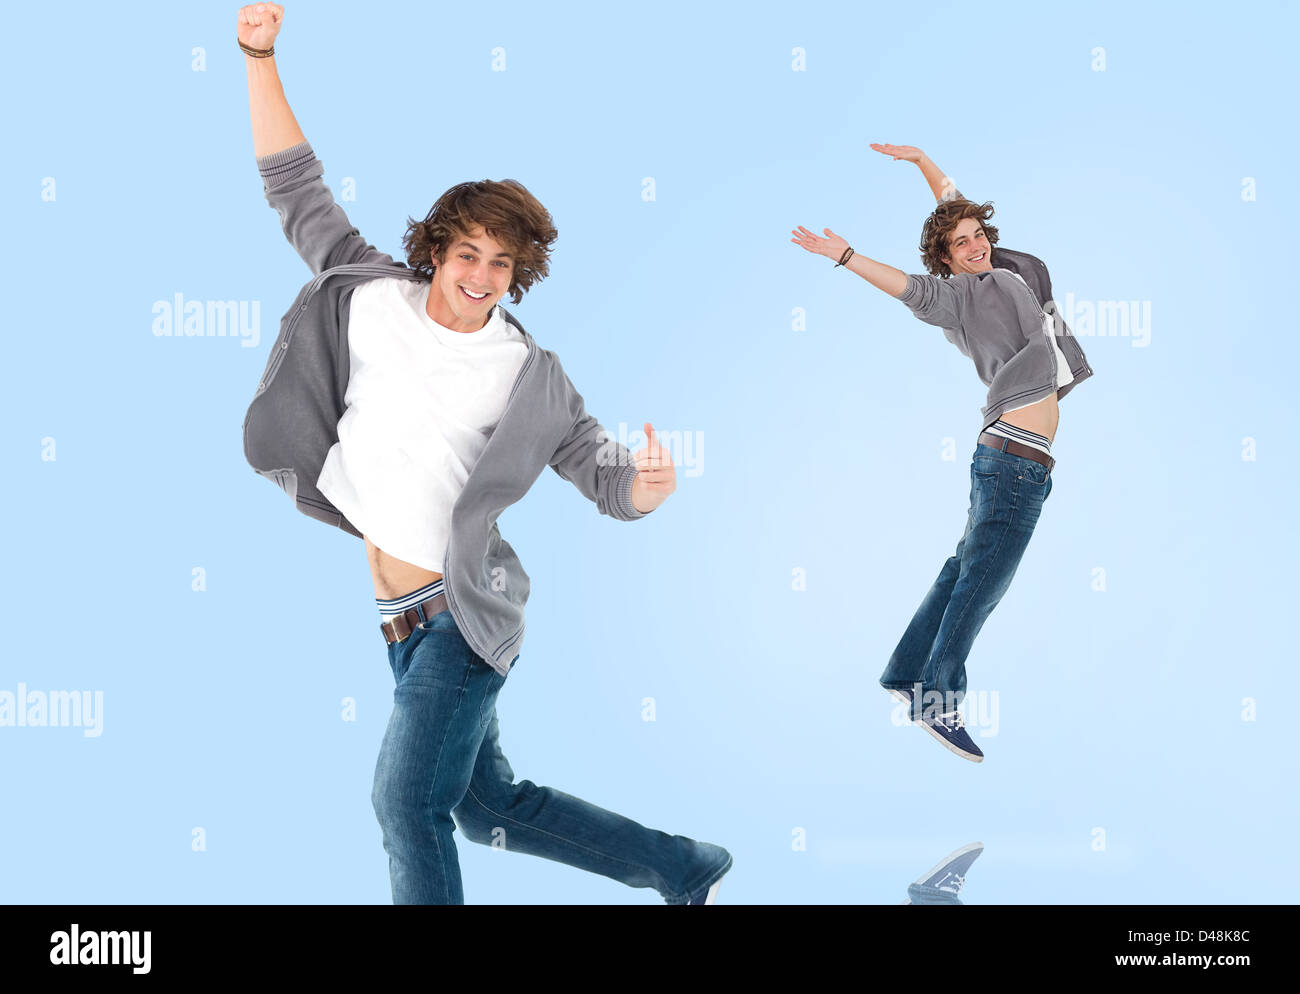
[
  {"x": 996, "y": 306},
  {"x": 405, "y": 406}
]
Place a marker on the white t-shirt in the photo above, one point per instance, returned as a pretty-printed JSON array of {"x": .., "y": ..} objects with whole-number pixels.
[
  {"x": 1063, "y": 374},
  {"x": 422, "y": 401}
]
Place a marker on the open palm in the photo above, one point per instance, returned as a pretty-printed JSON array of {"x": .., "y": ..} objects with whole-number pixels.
[
  {"x": 832, "y": 247},
  {"x": 908, "y": 153}
]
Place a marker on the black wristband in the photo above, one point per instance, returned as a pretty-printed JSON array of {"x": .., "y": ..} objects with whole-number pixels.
[{"x": 848, "y": 254}]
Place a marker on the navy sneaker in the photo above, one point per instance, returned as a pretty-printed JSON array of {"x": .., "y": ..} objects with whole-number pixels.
[
  {"x": 950, "y": 874},
  {"x": 950, "y": 729}
]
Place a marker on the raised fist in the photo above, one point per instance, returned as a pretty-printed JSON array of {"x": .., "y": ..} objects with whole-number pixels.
[{"x": 259, "y": 23}]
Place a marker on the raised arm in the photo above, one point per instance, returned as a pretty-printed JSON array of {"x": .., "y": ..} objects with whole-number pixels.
[
  {"x": 274, "y": 126},
  {"x": 316, "y": 226},
  {"x": 892, "y": 281},
  {"x": 941, "y": 186},
  {"x": 933, "y": 300}
]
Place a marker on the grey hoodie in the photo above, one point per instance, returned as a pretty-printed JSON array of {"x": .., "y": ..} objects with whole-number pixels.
[
  {"x": 293, "y": 419},
  {"x": 1003, "y": 325},
  {"x": 997, "y": 321}
]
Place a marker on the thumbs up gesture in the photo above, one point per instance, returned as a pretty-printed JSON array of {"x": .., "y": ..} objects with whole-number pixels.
[{"x": 655, "y": 477}]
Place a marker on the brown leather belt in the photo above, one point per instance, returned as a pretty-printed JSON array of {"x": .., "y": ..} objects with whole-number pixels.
[
  {"x": 400, "y": 628},
  {"x": 1016, "y": 449}
]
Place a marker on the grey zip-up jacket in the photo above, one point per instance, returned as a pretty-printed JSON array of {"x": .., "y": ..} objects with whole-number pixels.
[
  {"x": 293, "y": 419},
  {"x": 998, "y": 322}
]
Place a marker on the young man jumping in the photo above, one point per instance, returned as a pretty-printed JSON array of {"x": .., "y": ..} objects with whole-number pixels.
[
  {"x": 996, "y": 306},
  {"x": 404, "y": 405}
]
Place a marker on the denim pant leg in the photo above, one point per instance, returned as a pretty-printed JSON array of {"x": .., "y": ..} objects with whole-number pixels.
[
  {"x": 444, "y": 697},
  {"x": 903, "y": 671},
  {"x": 1010, "y": 490},
  {"x": 1006, "y": 496},
  {"x": 543, "y": 821}
]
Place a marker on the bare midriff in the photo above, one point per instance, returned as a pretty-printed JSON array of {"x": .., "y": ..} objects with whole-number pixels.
[
  {"x": 394, "y": 577},
  {"x": 1040, "y": 418}
]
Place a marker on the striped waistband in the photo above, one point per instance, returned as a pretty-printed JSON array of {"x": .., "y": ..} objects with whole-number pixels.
[
  {"x": 390, "y": 609},
  {"x": 1018, "y": 434}
]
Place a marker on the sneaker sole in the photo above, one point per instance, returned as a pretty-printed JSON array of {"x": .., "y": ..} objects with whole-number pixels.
[
  {"x": 899, "y": 695},
  {"x": 952, "y": 857},
  {"x": 949, "y": 746}
]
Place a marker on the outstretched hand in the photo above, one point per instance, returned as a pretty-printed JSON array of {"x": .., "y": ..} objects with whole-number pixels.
[
  {"x": 908, "y": 153},
  {"x": 832, "y": 246}
]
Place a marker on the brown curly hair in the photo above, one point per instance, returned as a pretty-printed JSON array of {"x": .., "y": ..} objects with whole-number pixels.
[
  {"x": 940, "y": 225},
  {"x": 505, "y": 210}
]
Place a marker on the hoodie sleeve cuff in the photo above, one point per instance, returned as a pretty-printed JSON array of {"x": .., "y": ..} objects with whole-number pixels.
[
  {"x": 623, "y": 494},
  {"x": 911, "y": 294},
  {"x": 278, "y": 167}
]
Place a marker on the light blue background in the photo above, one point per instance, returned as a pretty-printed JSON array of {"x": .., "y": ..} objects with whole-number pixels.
[{"x": 822, "y": 448}]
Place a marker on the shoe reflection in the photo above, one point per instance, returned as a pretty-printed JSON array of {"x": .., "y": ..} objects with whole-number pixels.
[{"x": 943, "y": 884}]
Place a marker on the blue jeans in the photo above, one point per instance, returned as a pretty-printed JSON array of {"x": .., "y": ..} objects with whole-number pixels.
[
  {"x": 1006, "y": 496},
  {"x": 441, "y": 760}
]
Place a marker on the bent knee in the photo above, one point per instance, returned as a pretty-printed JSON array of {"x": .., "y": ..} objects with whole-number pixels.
[{"x": 483, "y": 819}]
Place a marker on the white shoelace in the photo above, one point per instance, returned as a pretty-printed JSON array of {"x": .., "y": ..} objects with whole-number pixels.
[{"x": 952, "y": 720}]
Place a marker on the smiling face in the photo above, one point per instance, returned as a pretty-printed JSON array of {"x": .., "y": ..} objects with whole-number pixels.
[
  {"x": 969, "y": 250},
  {"x": 474, "y": 274}
]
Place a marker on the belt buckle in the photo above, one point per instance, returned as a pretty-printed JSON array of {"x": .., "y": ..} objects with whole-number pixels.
[{"x": 393, "y": 623}]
